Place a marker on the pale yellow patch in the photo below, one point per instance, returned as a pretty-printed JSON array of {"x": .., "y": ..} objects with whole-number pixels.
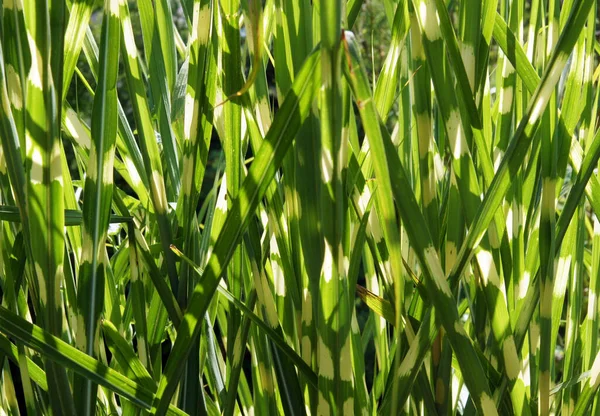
[
  {"x": 547, "y": 89},
  {"x": 306, "y": 348},
  {"x": 202, "y": 25},
  {"x": 534, "y": 336},
  {"x": 41, "y": 278},
  {"x": 493, "y": 233},
  {"x": 595, "y": 372},
  {"x": 37, "y": 163},
  {"x": 546, "y": 300},
  {"x": 507, "y": 68},
  {"x": 323, "y": 408},
  {"x": 190, "y": 118},
  {"x": 562, "y": 276},
  {"x": 129, "y": 38},
  {"x": 346, "y": 361},
  {"x": 2, "y": 162},
  {"x": 265, "y": 377},
  {"x": 348, "y": 406},
  {"x": 488, "y": 405},
  {"x": 278, "y": 279},
  {"x": 14, "y": 4},
  {"x": 438, "y": 165},
  {"x": 344, "y": 266},
  {"x": 429, "y": 190},
  {"x": 307, "y": 308},
  {"x": 488, "y": 268},
  {"x": 35, "y": 70},
  {"x": 524, "y": 285},
  {"x": 511, "y": 359},
  {"x": 158, "y": 187},
  {"x": 436, "y": 268},
  {"x": 408, "y": 361},
  {"x": 525, "y": 374},
  {"x": 363, "y": 199},
  {"x": 375, "y": 227},
  {"x": 354, "y": 325},
  {"x": 326, "y": 166},
  {"x": 327, "y": 270},
  {"x": 468, "y": 57},
  {"x": 325, "y": 361},
  {"x": 592, "y": 303},
  {"x": 76, "y": 129},
  {"x": 552, "y": 36},
  {"x": 221, "y": 204},
  {"x": 187, "y": 179},
  {"x": 429, "y": 20},
  {"x": 456, "y": 135},
  {"x": 424, "y": 131},
  {"x": 509, "y": 223},
  {"x": 450, "y": 255},
  {"x": 114, "y": 8},
  {"x": 13, "y": 82},
  {"x": 270, "y": 308},
  {"x": 506, "y": 97}
]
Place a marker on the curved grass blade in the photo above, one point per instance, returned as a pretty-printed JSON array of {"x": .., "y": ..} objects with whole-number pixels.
[
  {"x": 336, "y": 378},
  {"x": 150, "y": 150},
  {"x": 292, "y": 113},
  {"x": 79, "y": 16},
  {"x": 97, "y": 197},
  {"x": 37, "y": 375},
  {"x": 44, "y": 25},
  {"x": 66, "y": 356},
  {"x": 377, "y": 304},
  {"x": 277, "y": 339},
  {"x": 589, "y": 390},
  {"x": 127, "y": 358},
  {"x": 417, "y": 230},
  {"x": 159, "y": 50},
  {"x": 523, "y": 136}
]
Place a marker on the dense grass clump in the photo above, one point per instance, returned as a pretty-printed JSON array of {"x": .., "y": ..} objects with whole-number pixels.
[{"x": 299, "y": 207}]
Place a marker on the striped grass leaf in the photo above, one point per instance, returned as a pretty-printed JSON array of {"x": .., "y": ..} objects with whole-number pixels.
[
  {"x": 97, "y": 200},
  {"x": 44, "y": 190},
  {"x": 336, "y": 379},
  {"x": 195, "y": 106},
  {"x": 491, "y": 153},
  {"x": 260, "y": 323},
  {"x": 159, "y": 48},
  {"x": 35, "y": 373},
  {"x": 458, "y": 132},
  {"x": 12, "y": 151},
  {"x": 150, "y": 150},
  {"x": 290, "y": 116},
  {"x": 65, "y": 355},
  {"x": 415, "y": 225},
  {"x": 524, "y": 133},
  {"x": 227, "y": 28},
  {"x": 288, "y": 384},
  {"x": 126, "y": 357},
  {"x": 16, "y": 58},
  {"x": 79, "y": 15}
]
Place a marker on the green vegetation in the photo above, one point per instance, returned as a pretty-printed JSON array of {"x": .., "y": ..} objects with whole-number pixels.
[{"x": 259, "y": 212}]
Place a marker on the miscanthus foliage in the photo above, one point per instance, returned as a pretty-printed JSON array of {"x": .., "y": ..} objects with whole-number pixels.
[{"x": 245, "y": 220}]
